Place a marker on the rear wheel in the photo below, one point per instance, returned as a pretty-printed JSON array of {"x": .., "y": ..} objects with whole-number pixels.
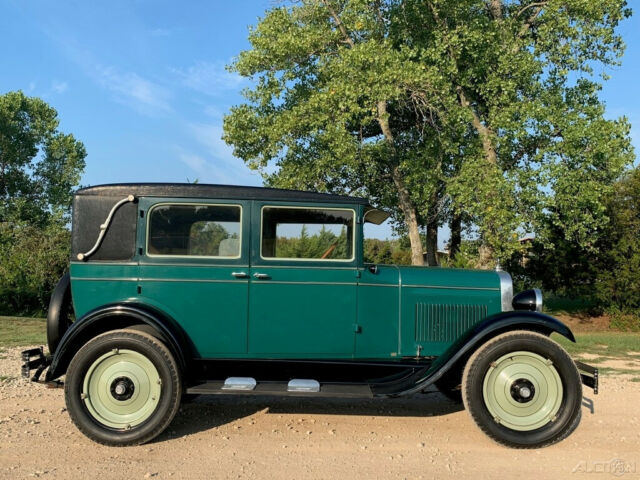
[
  {"x": 523, "y": 390},
  {"x": 123, "y": 388}
]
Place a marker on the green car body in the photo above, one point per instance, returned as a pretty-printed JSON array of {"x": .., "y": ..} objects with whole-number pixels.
[
  {"x": 304, "y": 309},
  {"x": 257, "y": 290}
]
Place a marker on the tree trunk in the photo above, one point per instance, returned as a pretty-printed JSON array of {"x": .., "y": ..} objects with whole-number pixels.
[
  {"x": 432, "y": 243},
  {"x": 456, "y": 235},
  {"x": 410, "y": 217},
  {"x": 404, "y": 200}
]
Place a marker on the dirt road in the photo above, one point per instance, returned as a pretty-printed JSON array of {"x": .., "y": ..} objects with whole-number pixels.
[{"x": 425, "y": 436}]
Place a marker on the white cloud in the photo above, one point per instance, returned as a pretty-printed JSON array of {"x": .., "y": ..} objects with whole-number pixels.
[
  {"x": 210, "y": 136},
  {"x": 131, "y": 89},
  {"x": 217, "y": 164},
  {"x": 59, "y": 87},
  {"x": 193, "y": 161},
  {"x": 210, "y": 78},
  {"x": 159, "y": 32}
]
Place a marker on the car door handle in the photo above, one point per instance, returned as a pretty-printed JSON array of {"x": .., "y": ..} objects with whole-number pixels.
[
  {"x": 261, "y": 276},
  {"x": 240, "y": 274}
]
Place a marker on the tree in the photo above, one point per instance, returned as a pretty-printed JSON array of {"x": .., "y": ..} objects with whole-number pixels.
[
  {"x": 39, "y": 168},
  {"x": 441, "y": 110},
  {"x": 330, "y": 99},
  {"x": 39, "y": 165},
  {"x": 618, "y": 275}
]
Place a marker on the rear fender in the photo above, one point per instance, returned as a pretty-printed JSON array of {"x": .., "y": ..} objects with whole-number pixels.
[{"x": 113, "y": 317}]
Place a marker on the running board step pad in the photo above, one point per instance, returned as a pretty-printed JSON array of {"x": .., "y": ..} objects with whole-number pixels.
[
  {"x": 283, "y": 389},
  {"x": 301, "y": 385},
  {"x": 239, "y": 384}
]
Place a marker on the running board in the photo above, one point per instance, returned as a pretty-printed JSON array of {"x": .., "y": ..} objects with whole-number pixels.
[{"x": 304, "y": 388}]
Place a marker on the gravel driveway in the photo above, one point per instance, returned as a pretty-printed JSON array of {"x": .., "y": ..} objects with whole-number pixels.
[{"x": 424, "y": 436}]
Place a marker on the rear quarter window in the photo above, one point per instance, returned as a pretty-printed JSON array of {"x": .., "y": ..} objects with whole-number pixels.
[{"x": 195, "y": 230}]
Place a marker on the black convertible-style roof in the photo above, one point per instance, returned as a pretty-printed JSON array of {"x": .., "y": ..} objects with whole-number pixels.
[{"x": 199, "y": 190}]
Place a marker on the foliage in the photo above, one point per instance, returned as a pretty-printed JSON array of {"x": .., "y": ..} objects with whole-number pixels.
[
  {"x": 32, "y": 260},
  {"x": 205, "y": 238},
  {"x": 39, "y": 167},
  {"x": 618, "y": 274},
  {"x": 387, "y": 252},
  {"x": 487, "y": 110},
  {"x": 324, "y": 242}
]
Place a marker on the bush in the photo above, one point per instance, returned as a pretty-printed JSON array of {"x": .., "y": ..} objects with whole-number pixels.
[{"x": 32, "y": 260}]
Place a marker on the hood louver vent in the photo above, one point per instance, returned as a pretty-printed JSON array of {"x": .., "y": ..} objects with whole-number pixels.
[{"x": 445, "y": 323}]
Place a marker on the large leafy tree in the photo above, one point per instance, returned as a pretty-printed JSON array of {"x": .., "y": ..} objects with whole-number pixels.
[
  {"x": 462, "y": 110},
  {"x": 39, "y": 165}
]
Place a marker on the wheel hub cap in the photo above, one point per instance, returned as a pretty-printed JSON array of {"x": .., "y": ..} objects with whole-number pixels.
[
  {"x": 122, "y": 389},
  {"x": 522, "y": 391}
]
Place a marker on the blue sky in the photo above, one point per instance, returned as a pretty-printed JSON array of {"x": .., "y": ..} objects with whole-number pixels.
[{"x": 142, "y": 83}]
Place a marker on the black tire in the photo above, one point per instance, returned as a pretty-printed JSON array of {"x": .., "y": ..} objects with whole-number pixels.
[
  {"x": 164, "y": 394},
  {"x": 60, "y": 313},
  {"x": 547, "y": 431}
]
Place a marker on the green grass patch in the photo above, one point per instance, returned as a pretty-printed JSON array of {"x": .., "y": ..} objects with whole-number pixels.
[
  {"x": 21, "y": 331},
  {"x": 603, "y": 344}
]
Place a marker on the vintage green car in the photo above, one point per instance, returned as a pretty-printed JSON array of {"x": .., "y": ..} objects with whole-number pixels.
[{"x": 183, "y": 289}]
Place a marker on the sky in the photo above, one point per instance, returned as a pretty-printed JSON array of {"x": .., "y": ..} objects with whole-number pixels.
[{"x": 143, "y": 83}]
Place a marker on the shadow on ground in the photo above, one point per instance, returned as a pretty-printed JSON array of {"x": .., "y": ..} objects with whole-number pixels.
[{"x": 210, "y": 411}]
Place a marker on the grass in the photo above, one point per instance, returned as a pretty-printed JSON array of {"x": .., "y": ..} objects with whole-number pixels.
[
  {"x": 605, "y": 344},
  {"x": 22, "y": 331}
]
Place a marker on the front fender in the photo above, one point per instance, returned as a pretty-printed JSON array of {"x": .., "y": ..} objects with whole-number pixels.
[
  {"x": 115, "y": 316},
  {"x": 491, "y": 326}
]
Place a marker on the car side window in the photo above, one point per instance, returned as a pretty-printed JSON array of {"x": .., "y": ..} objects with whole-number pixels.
[
  {"x": 195, "y": 230},
  {"x": 307, "y": 233}
]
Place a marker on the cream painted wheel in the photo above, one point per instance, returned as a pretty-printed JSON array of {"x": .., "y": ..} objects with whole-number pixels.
[
  {"x": 522, "y": 391},
  {"x": 122, "y": 389}
]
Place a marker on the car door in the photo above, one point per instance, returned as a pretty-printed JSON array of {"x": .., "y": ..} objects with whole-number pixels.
[
  {"x": 302, "y": 290},
  {"x": 194, "y": 266}
]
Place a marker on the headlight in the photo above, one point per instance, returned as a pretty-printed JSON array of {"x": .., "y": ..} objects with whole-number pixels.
[{"x": 528, "y": 300}]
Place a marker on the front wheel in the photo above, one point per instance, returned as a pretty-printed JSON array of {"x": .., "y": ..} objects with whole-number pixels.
[
  {"x": 523, "y": 390},
  {"x": 123, "y": 388}
]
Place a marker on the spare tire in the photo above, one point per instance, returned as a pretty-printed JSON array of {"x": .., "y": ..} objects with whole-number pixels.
[{"x": 60, "y": 313}]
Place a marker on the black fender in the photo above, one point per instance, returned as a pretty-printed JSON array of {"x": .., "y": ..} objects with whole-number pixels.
[
  {"x": 491, "y": 326},
  {"x": 113, "y": 317},
  {"x": 58, "y": 313}
]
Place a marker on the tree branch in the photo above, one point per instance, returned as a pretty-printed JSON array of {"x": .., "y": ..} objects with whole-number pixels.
[
  {"x": 526, "y": 26},
  {"x": 531, "y": 5},
  {"x": 347, "y": 38},
  {"x": 495, "y": 8}
]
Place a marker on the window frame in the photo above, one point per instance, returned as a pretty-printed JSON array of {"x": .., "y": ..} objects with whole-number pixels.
[
  {"x": 354, "y": 218},
  {"x": 193, "y": 204}
]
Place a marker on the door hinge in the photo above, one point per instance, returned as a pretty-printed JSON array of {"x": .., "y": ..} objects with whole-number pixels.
[{"x": 357, "y": 328}]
